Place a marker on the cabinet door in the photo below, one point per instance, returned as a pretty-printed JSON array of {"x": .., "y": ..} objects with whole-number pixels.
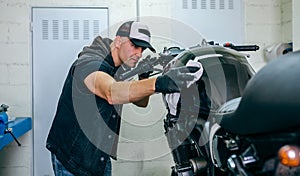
[{"x": 58, "y": 35}]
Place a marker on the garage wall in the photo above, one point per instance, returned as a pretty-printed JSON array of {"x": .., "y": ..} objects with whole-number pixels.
[
  {"x": 266, "y": 22},
  {"x": 296, "y": 24}
]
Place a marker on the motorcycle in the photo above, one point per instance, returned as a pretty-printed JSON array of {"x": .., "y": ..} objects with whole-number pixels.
[
  {"x": 236, "y": 121},
  {"x": 233, "y": 121},
  {"x": 226, "y": 73}
]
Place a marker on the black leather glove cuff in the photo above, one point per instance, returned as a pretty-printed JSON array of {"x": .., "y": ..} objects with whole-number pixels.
[
  {"x": 145, "y": 75},
  {"x": 173, "y": 80},
  {"x": 165, "y": 84}
]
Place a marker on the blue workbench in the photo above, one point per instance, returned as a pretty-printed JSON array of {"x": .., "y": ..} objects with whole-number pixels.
[{"x": 19, "y": 127}]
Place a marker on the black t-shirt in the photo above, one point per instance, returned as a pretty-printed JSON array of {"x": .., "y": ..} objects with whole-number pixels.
[
  {"x": 84, "y": 69},
  {"x": 97, "y": 118}
]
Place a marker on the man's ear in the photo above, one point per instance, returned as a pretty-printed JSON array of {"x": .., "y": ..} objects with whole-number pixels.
[{"x": 117, "y": 42}]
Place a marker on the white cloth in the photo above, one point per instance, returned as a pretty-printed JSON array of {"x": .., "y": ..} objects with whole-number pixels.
[
  {"x": 172, "y": 101},
  {"x": 173, "y": 98},
  {"x": 197, "y": 74}
]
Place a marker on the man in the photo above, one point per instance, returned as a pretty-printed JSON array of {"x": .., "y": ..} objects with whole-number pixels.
[{"x": 84, "y": 132}]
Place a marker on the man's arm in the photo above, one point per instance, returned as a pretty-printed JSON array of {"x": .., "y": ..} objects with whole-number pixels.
[
  {"x": 106, "y": 87},
  {"x": 142, "y": 103}
]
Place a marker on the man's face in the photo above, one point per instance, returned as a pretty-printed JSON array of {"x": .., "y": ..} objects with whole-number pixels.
[{"x": 130, "y": 53}]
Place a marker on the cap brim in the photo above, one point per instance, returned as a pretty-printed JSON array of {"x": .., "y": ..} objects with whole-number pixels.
[{"x": 142, "y": 43}]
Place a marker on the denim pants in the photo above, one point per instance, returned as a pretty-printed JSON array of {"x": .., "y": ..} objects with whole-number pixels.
[{"x": 60, "y": 170}]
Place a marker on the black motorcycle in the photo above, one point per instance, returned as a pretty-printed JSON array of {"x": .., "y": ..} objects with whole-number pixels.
[
  {"x": 236, "y": 122},
  {"x": 226, "y": 73},
  {"x": 233, "y": 121}
]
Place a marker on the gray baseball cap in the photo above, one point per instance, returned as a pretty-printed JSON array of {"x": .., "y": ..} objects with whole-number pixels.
[{"x": 137, "y": 32}]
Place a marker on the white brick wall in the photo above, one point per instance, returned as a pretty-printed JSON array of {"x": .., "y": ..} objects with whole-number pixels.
[
  {"x": 296, "y": 24},
  {"x": 15, "y": 82},
  {"x": 287, "y": 27},
  {"x": 15, "y": 160},
  {"x": 266, "y": 22}
]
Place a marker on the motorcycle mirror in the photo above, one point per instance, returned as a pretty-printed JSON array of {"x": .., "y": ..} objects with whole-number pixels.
[{"x": 289, "y": 155}]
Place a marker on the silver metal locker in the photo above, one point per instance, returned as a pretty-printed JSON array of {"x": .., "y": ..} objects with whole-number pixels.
[{"x": 58, "y": 35}]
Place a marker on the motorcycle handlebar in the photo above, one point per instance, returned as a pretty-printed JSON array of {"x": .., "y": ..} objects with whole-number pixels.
[
  {"x": 135, "y": 71},
  {"x": 146, "y": 65},
  {"x": 242, "y": 47},
  {"x": 167, "y": 55}
]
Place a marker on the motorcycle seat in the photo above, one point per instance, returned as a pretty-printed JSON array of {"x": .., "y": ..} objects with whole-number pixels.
[{"x": 270, "y": 101}]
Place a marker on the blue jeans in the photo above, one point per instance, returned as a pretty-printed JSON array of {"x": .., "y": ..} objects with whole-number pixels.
[{"x": 60, "y": 170}]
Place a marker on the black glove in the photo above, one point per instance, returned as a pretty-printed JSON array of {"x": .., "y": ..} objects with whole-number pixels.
[
  {"x": 145, "y": 75},
  {"x": 173, "y": 80}
]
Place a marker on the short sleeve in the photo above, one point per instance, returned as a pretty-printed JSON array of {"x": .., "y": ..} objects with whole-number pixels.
[{"x": 83, "y": 70}]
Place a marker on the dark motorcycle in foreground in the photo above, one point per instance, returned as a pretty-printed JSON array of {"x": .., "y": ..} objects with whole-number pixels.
[
  {"x": 233, "y": 121},
  {"x": 236, "y": 122}
]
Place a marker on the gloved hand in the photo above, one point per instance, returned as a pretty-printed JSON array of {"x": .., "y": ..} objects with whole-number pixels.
[
  {"x": 174, "y": 80},
  {"x": 145, "y": 75}
]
